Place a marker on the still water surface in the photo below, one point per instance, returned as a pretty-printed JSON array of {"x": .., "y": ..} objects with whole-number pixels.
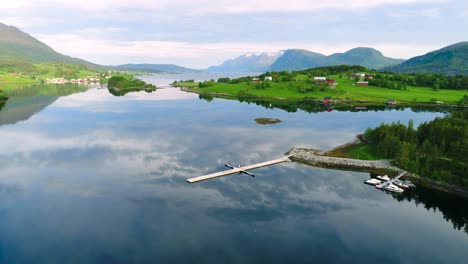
[{"x": 94, "y": 178}]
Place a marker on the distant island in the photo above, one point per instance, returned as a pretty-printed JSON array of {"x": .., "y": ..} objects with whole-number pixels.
[
  {"x": 267, "y": 121},
  {"x": 122, "y": 84}
]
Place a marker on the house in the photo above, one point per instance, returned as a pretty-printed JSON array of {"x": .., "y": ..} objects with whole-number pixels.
[
  {"x": 320, "y": 79},
  {"x": 268, "y": 78},
  {"x": 331, "y": 81},
  {"x": 360, "y": 75},
  {"x": 256, "y": 79},
  {"x": 392, "y": 102},
  {"x": 368, "y": 76},
  {"x": 362, "y": 83}
]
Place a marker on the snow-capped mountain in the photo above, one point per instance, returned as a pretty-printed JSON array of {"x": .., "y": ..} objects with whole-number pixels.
[{"x": 248, "y": 62}]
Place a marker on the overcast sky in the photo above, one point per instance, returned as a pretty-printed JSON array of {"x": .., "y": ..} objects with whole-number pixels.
[{"x": 201, "y": 33}]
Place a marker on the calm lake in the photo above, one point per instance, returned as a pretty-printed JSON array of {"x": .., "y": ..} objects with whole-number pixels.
[{"x": 94, "y": 178}]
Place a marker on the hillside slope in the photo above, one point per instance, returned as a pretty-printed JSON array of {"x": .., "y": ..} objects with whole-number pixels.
[
  {"x": 19, "y": 47},
  {"x": 450, "y": 60}
]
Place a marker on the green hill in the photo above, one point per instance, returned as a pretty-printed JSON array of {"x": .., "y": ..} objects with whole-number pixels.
[
  {"x": 296, "y": 59},
  {"x": 19, "y": 48},
  {"x": 367, "y": 57},
  {"x": 450, "y": 60}
]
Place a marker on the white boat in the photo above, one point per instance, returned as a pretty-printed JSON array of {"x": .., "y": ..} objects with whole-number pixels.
[
  {"x": 383, "y": 178},
  {"x": 404, "y": 184},
  {"x": 372, "y": 181},
  {"x": 392, "y": 188}
]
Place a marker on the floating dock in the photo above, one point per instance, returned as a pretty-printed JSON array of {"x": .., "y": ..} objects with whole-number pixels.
[{"x": 237, "y": 170}]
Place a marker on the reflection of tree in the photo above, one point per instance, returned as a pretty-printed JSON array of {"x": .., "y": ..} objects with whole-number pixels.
[
  {"x": 207, "y": 98},
  {"x": 315, "y": 106},
  {"x": 124, "y": 91},
  {"x": 453, "y": 208},
  {"x": 2, "y": 103}
]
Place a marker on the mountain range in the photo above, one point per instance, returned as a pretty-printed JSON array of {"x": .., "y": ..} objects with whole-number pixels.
[
  {"x": 248, "y": 63},
  {"x": 300, "y": 59},
  {"x": 155, "y": 68},
  {"x": 19, "y": 48}
]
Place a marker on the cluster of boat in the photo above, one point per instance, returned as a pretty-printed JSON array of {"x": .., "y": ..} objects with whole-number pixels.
[{"x": 392, "y": 185}]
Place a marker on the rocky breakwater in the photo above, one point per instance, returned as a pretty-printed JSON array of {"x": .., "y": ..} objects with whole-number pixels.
[{"x": 314, "y": 158}]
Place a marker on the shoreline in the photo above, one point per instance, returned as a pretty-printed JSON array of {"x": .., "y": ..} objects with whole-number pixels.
[
  {"x": 349, "y": 103},
  {"x": 317, "y": 158}
]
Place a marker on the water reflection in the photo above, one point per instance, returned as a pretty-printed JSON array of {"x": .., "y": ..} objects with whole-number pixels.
[
  {"x": 453, "y": 208},
  {"x": 107, "y": 175},
  {"x": 24, "y": 102}
]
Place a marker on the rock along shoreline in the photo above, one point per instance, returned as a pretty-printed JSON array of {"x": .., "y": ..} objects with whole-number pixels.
[{"x": 315, "y": 158}]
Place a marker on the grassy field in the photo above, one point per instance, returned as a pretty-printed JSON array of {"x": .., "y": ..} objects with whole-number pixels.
[
  {"x": 344, "y": 90},
  {"x": 364, "y": 152},
  {"x": 355, "y": 150}
]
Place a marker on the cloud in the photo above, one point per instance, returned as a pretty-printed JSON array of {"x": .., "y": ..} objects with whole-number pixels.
[
  {"x": 208, "y": 6},
  {"x": 106, "y": 51}
]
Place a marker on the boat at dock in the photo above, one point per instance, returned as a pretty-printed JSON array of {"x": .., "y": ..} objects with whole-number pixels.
[
  {"x": 372, "y": 181},
  {"x": 388, "y": 186},
  {"x": 384, "y": 178},
  {"x": 407, "y": 185}
]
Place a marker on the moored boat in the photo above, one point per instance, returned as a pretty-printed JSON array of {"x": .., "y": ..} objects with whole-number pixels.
[
  {"x": 372, "y": 181},
  {"x": 391, "y": 187},
  {"x": 404, "y": 184},
  {"x": 383, "y": 178}
]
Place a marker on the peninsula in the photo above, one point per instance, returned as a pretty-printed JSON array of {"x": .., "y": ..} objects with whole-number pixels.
[{"x": 340, "y": 85}]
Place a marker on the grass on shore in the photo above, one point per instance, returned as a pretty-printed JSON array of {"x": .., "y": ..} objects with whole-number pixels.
[
  {"x": 363, "y": 152},
  {"x": 344, "y": 90},
  {"x": 355, "y": 150}
]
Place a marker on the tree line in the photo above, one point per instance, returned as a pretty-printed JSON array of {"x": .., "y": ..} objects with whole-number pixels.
[
  {"x": 436, "y": 81},
  {"x": 436, "y": 149}
]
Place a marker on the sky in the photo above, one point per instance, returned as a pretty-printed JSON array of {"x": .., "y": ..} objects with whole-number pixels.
[{"x": 202, "y": 33}]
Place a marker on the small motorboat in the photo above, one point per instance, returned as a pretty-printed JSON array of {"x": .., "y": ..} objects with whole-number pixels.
[
  {"x": 383, "y": 178},
  {"x": 404, "y": 184},
  {"x": 410, "y": 184},
  {"x": 392, "y": 188},
  {"x": 372, "y": 181}
]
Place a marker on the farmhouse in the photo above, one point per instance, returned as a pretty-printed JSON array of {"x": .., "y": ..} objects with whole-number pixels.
[
  {"x": 268, "y": 78},
  {"x": 256, "y": 79},
  {"x": 362, "y": 83},
  {"x": 320, "y": 79}
]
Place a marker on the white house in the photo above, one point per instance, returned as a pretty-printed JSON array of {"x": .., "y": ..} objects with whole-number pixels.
[
  {"x": 268, "y": 78},
  {"x": 320, "y": 79}
]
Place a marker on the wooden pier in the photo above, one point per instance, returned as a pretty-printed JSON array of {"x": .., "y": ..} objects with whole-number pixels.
[{"x": 237, "y": 170}]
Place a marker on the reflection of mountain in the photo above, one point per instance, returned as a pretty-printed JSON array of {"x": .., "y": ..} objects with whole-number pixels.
[
  {"x": 25, "y": 102},
  {"x": 22, "y": 108},
  {"x": 452, "y": 207}
]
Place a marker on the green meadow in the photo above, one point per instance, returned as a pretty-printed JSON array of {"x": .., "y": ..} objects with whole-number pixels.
[{"x": 343, "y": 90}]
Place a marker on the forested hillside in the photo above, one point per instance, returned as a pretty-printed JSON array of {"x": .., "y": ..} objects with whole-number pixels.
[{"x": 436, "y": 149}]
